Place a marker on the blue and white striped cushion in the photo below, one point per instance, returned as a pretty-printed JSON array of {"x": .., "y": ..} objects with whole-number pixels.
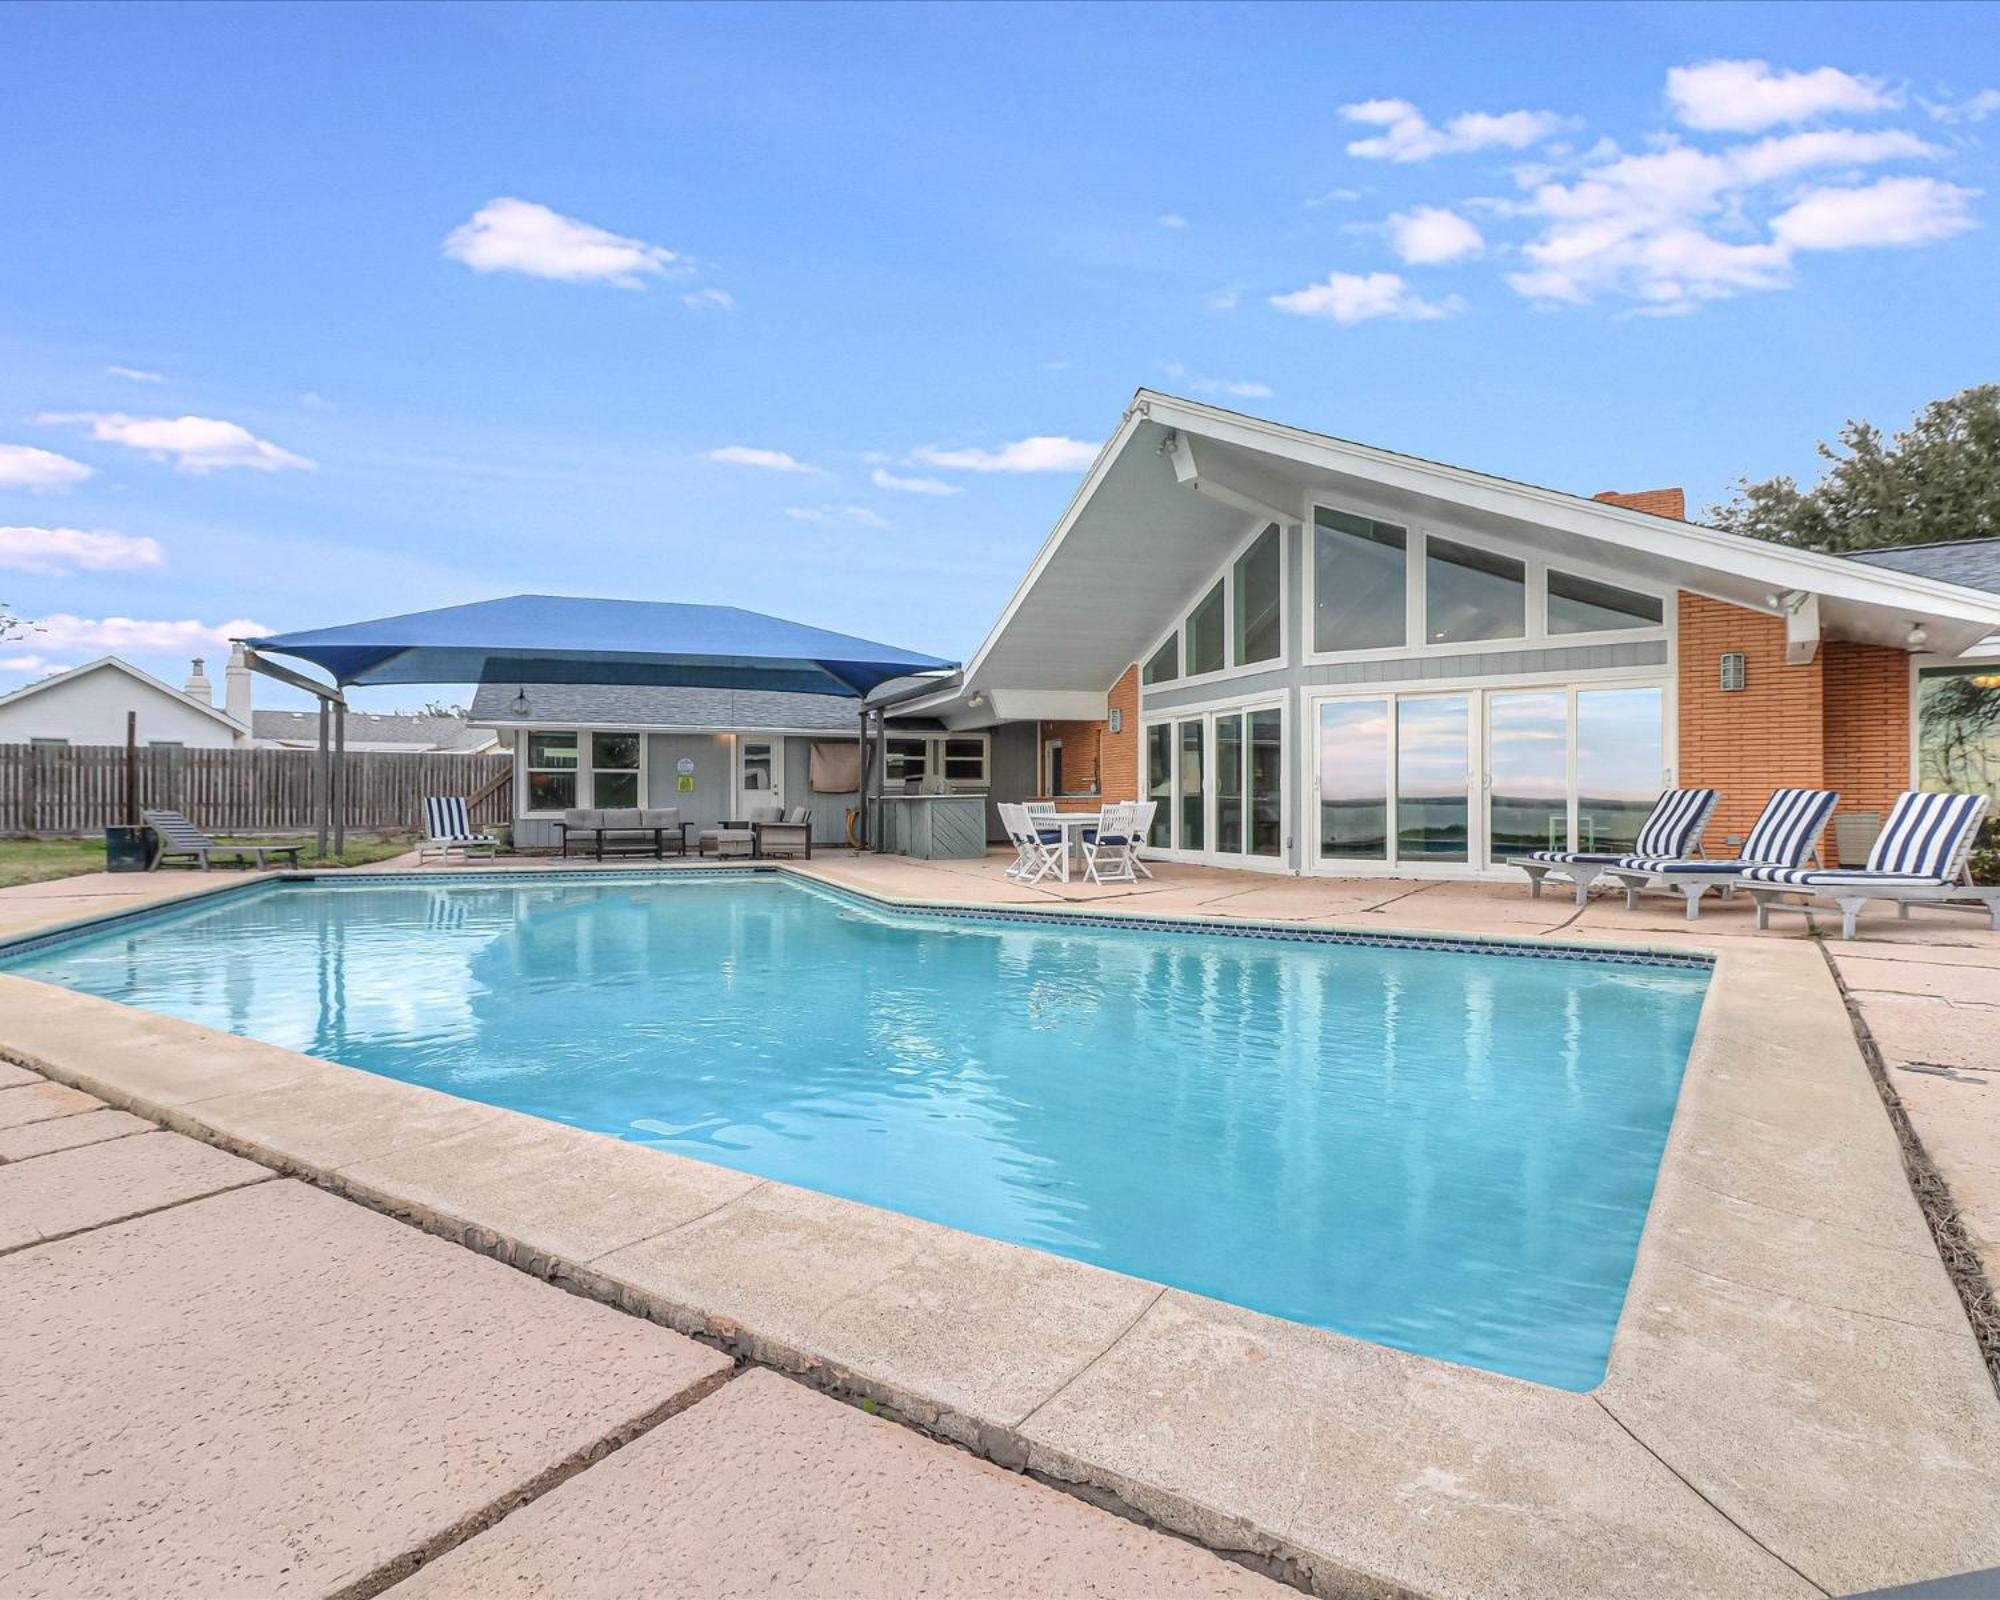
[
  {"x": 1813, "y": 878},
  {"x": 1925, "y": 833},
  {"x": 1789, "y": 826},
  {"x": 445, "y": 815},
  {"x": 1674, "y": 828},
  {"x": 1682, "y": 864},
  {"x": 1565, "y": 858}
]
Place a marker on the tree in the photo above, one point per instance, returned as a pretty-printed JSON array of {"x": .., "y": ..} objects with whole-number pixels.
[
  {"x": 1938, "y": 480},
  {"x": 443, "y": 708}
]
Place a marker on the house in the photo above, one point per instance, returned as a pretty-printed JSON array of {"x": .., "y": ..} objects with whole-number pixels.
[
  {"x": 88, "y": 705},
  {"x": 1323, "y": 657},
  {"x": 376, "y": 731},
  {"x": 713, "y": 752}
]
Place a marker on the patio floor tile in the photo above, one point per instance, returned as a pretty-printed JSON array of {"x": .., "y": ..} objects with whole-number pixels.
[
  {"x": 68, "y": 1133},
  {"x": 774, "y": 1490},
  {"x": 276, "y": 1391},
  {"x": 39, "y": 1101},
  {"x": 101, "y": 1183}
]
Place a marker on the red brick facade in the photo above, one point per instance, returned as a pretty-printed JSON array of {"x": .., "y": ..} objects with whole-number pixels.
[
  {"x": 1093, "y": 754},
  {"x": 1842, "y": 721},
  {"x": 1661, "y": 502}
]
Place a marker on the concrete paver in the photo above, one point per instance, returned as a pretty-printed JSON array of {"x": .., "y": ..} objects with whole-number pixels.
[
  {"x": 39, "y": 1102},
  {"x": 276, "y": 1391},
  {"x": 68, "y": 1133},
  {"x": 767, "y": 1489},
  {"x": 100, "y": 1183},
  {"x": 13, "y": 1077}
]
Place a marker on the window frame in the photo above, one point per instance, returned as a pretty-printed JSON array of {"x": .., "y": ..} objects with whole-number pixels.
[
  {"x": 1538, "y": 565},
  {"x": 1172, "y": 718},
  {"x": 1175, "y": 634},
  {"x": 638, "y": 772},
  {"x": 579, "y": 771},
  {"x": 935, "y": 759}
]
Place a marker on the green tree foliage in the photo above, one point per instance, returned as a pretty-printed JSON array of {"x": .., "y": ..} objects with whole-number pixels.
[{"x": 1938, "y": 480}]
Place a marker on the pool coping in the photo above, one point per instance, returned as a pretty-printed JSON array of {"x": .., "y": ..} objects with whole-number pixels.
[{"x": 1785, "y": 1380}]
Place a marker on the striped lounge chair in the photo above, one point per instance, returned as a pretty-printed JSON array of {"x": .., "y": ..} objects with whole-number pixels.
[
  {"x": 450, "y": 831},
  {"x": 1673, "y": 830},
  {"x": 1919, "y": 858},
  {"x": 1785, "y": 833},
  {"x": 180, "y": 840}
]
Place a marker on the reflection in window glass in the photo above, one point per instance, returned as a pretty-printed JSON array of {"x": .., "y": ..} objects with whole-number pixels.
[
  {"x": 1958, "y": 729},
  {"x": 1432, "y": 811},
  {"x": 1528, "y": 805},
  {"x": 1354, "y": 780},
  {"x": 1160, "y": 783},
  {"x": 551, "y": 767},
  {"x": 1267, "y": 778},
  {"x": 614, "y": 762},
  {"x": 1360, "y": 569},
  {"x": 965, "y": 760},
  {"x": 1472, "y": 594},
  {"x": 1204, "y": 633},
  {"x": 1229, "y": 784},
  {"x": 1583, "y": 605},
  {"x": 905, "y": 760},
  {"x": 1619, "y": 762},
  {"x": 1193, "y": 794},
  {"x": 1257, "y": 600},
  {"x": 1165, "y": 665}
]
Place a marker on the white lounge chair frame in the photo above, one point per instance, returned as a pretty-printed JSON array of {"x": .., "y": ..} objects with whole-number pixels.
[
  {"x": 1787, "y": 831},
  {"x": 1951, "y": 887},
  {"x": 450, "y": 831},
  {"x": 1672, "y": 828}
]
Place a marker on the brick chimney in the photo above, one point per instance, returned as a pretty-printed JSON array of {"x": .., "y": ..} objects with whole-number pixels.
[{"x": 1660, "y": 502}]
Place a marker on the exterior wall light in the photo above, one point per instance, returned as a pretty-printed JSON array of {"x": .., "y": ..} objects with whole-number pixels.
[
  {"x": 1735, "y": 671},
  {"x": 1117, "y": 719},
  {"x": 1918, "y": 637},
  {"x": 520, "y": 706}
]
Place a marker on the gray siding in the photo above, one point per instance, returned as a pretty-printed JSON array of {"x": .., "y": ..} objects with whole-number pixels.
[
  {"x": 1012, "y": 772},
  {"x": 829, "y": 811}
]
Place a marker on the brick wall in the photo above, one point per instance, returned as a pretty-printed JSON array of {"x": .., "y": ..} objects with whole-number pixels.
[
  {"x": 1092, "y": 752},
  {"x": 1661, "y": 502},
  {"x": 1840, "y": 722}
]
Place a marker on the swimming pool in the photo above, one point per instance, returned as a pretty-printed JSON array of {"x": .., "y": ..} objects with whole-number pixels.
[{"x": 1444, "y": 1151}]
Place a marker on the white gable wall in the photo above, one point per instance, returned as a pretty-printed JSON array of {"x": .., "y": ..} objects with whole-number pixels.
[{"x": 90, "y": 708}]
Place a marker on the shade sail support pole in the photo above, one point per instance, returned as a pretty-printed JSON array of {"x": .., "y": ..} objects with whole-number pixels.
[
  {"x": 340, "y": 778},
  {"x": 323, "y": 782}
]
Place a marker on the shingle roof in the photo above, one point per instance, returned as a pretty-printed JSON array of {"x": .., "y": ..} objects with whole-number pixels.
[
  {"x": 645, "y": 706},
  {"x": 372, "y": 727},
  {"x": 1970, "y": 563}
]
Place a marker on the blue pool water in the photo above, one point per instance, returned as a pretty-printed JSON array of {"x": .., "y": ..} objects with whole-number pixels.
[{"x": 1447, "y": 1152}]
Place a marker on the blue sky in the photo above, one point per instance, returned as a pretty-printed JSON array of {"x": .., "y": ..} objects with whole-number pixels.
[{"x": 313, "y": 314}]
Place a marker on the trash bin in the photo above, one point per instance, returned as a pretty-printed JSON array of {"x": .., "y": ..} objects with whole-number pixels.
[{"x": 128, "y": 849}]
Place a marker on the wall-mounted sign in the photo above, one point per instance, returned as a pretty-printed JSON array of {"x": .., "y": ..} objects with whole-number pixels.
[
  {"x": 685, "y": 766},
  {"x": 685, "y": 783}
]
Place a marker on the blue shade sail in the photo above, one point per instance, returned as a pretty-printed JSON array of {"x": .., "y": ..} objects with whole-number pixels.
[{"x": 544, "y": 638}]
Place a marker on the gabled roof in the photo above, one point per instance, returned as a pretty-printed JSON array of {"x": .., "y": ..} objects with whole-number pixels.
[
  {"x": 373, "y": 728},
  {"x": 596, "y": 705},
  {"x": 1135, "y": 540},
  {"x": 1970, "y": 563},
  {"x": 113, "y": 664},
  {"x": 541, "y": 638}
]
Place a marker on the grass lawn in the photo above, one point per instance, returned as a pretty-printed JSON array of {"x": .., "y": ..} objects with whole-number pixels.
[{"x": 39, "y": 860}]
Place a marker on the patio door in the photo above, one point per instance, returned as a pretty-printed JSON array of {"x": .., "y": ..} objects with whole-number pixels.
[
  {"x": 1393, "y": 781},
  {"x": 1217, "y": 783},
  {"x": 759, "y": 772}
]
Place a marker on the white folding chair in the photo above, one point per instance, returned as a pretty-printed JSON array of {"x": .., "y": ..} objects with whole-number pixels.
[
  {"x": 1036, "y": 856},
  {"x": 1110, "y": 849},
  {"x": 1142, "y": 830}
]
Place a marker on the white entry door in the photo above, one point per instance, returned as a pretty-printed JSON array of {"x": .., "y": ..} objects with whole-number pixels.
[{"x": 760, "y": 767}]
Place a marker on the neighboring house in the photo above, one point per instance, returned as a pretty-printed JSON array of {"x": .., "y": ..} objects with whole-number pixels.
[
  {"x": 710, "y": 752},
  {"x": 88, "y": 705},
  {"x": 377, "y": 731},
  {"x": 1322, "y": 657}
]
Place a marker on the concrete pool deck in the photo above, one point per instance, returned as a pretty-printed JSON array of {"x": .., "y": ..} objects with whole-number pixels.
[{"x": 1795, "y": 1403}]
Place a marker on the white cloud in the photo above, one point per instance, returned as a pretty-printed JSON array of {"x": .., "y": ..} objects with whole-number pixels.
[
  {"x": 22, "y": 466},
  {"x": 1044, "y": 452},
  {"x": 1748, "y": 96},
  {"x": 1974, "y": 108},
  {"x": 63, "y": 634},
  {"x": 52, "y": 552},
  {"x": 1173, "y": 219},
  {"x": 866, "y": 516},
  {"x": 743, "y": 455},
  {"x": 1227, "y": 299},
  {"x": 1349, "y": 297},
  {"x": 194, "y": 444},
  {"x": 1407, "y": 135},
  {"x": 1335, "y": 197},
  {"x": 1890, "y": 211},
  {"x": 1430, "y": 236},
  {"x": 508, "y": 235},
  {"x": 710, "y": 300},
  {"x": 34, "y": 666},
  {"x": 137, "y": 374},
  {"x": 1234, "y": 388},
  {"x": 882, "y": 478}
]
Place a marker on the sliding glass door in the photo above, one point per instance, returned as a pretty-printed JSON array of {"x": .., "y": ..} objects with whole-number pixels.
[
  {"x": 1218, "y": 783},
  {"x": 1527, "y": 793}
]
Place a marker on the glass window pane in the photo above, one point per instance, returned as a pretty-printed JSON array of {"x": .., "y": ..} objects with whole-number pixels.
[
  {"x": 1160, "y": 783},
  {"x": 1229, "y": 784},
  {"x": 1360, "y": 569},
  {"x": 1958, "y": 729},
  {"x": 1257, "y": 600},
  {"x": 551, "y": 791},
  {"x": 1528, "y": 806},
  {"x": 615, "y": 788},
  {"x": 903, "y": 759},
  {"x": 551, "y": 749},
  {"x": 1193, "y": 794},
  {"x": 1165, "y": 665},
  {"x": 1267, "y": 779},
  {"x": 1354, "y": 780},
  {"x": 615, "y": 750},
  {"x": 1583, "y": 605},
  {"x": 1619, "y": 762},
  {"x": 1472, "y": 594},
  {"x": 965, "y": 760},
  {"x": 1431, "y": 807},
  {"x": 1204, "y": 633}
]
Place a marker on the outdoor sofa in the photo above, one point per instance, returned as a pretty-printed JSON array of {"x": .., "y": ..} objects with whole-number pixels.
[{"x": 628, "y": 827}]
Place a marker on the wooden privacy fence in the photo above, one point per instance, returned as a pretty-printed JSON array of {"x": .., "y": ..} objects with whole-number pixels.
[{"x": 79, "y": 789}]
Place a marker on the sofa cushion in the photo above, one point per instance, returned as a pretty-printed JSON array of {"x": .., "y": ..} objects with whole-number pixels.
[
  {"x": 583, "y": 817},
  {"x": 660, "y": 817}
]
